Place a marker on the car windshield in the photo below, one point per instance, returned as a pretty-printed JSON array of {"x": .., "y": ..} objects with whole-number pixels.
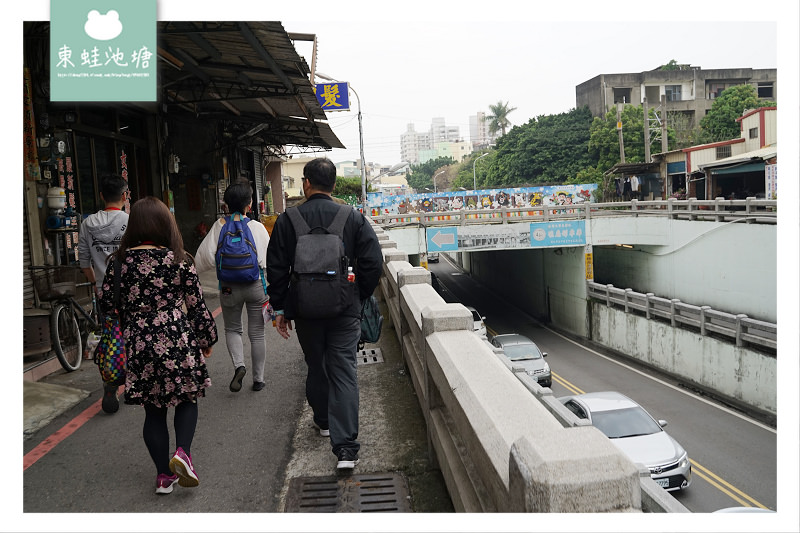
[
  {"x": 521, "y": 352},
  {"x": 621, "y": 423},
  {"x": 476, "y": 317}
]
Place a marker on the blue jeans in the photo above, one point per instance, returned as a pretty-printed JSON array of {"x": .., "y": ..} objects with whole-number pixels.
[
  {"x": 330, "y": 347},
  {"x": 232, "y": 297}
]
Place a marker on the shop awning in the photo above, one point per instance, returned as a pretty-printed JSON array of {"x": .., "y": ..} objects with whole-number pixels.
[
  {"x": 739, "y": 169},
  {"x": 247, "y": 74},
  {"x": 752, "y": 161}
]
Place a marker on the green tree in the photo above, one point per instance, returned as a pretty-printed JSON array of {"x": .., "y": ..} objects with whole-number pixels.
[
  {"x": 720, "y": 122},
  {"x": 421, "y": 176},
  {"x": 498, "y": 118},
  {"x": 347, "y": 187}
]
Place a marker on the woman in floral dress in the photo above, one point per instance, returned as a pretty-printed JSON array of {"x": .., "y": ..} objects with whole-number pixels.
[{"x": 168, "y": 333}]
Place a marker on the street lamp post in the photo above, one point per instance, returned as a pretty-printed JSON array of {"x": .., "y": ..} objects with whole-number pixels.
[
  {"x": 360, "y": 142},
  {"x": 434, "y": 179},
  {"x": 474, "y": 180}
]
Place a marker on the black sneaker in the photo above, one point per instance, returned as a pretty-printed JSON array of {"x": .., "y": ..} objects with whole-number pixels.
[
  {"x": 258, "y": 385},
  {"x": 347, "y": 459},
  {"x": 110, "y": 402},
  {"x": 238, "y": 376}
]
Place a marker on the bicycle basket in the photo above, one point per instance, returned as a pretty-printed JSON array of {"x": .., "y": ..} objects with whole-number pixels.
[{"x": 54, "y": 282}]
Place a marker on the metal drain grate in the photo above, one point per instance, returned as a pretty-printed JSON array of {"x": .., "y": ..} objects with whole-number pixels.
[
  {"x": 370, "y": 356},
  {"x": 361, "y": 493}
]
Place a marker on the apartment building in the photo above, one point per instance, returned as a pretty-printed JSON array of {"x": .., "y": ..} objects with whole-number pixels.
[
  {"x": 479, "y": 134},
  {"x": 689, "y": 91}
]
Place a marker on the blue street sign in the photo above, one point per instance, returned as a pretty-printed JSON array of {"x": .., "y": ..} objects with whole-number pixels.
[
  {"x": 563, "y": 233},
  {"x": 333, "y": 96},
  {"x": 444, "y": 239}
]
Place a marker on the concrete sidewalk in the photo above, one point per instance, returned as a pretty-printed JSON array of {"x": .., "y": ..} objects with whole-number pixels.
[{"x": 392, "y": 428}]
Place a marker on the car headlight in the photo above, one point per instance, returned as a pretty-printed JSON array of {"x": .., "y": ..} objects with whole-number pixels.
[
  {"x": 546, "y": 367},
  {"x": 683, "y": 462}
]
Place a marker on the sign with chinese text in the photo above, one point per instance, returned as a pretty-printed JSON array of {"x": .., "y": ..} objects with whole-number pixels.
[
  {"x": 562, "y": 233},
  {"x": 103, "y": 51},
  {"x": 771, "y": 181},
  {"x": 333, "y": 96}
]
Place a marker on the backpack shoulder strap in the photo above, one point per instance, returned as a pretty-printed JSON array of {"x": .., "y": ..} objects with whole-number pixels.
[
  {"x": 297, "y": 220},
  {"x": 337, "y": 226}
]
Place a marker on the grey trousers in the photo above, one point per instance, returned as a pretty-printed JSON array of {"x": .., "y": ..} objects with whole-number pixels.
[
  {"x": 330, "y": 349},
  {"x": 232, "y": 297}
]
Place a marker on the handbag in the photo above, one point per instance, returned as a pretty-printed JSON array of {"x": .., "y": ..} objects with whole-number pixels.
[
  {"x": 371, "y": 321},
  {"x": 110, "y": 355}
]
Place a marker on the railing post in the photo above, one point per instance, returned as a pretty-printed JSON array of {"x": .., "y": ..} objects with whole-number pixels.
[
  {"x": 748, "y": 206},
  {"x": 634, "y": 206},
  {"x": 504, "y": 214},
  {"x": 627, "y": 294},
  {"x": 647, "y": 307},
  {"x": 739, "y": 341},
  {"x": 717, "y": 211},
  {"x": 670, "y": 207},
  {"x": 608, "y": 294},
  {"x": 672, "y": 306},
  {"x": 703, "y": 310},
  {"x": 690, "y": 208}
]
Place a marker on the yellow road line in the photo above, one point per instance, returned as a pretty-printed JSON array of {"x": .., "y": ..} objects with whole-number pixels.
[
  {"x": 722, "y": 485},
  {"x": 567, "y": 384}
]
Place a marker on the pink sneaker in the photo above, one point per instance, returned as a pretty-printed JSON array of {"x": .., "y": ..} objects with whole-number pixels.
[
  {"x": 164, "y": 483},
  {"x": 181, "y": 464}
]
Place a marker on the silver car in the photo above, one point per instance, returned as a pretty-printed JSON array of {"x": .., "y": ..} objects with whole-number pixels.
[
  {"x": 637, "y": 434},
  {"x": 478, "y": 324},
  {"x": 520, "y": 349}
]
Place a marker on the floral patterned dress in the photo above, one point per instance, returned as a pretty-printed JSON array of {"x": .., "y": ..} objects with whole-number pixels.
[{"x": 165, "y": 324}]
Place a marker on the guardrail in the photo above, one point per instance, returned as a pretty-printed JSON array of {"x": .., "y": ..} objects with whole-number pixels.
[
  {"x": 739, "y": 328},
  {"x": 750, "y": 210},
  {"x": 502, "y": 444}
]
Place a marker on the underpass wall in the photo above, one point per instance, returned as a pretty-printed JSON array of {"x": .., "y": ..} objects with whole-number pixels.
[{"x": 738, "y": 373}]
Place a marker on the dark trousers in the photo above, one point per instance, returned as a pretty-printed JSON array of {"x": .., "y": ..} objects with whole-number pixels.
[{"x": 330, "y": 347}]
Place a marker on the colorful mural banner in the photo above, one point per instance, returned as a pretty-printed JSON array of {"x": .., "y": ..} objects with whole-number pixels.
[{"x": 514, "y": 197}]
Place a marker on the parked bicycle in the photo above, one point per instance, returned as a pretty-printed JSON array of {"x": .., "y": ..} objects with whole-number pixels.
[{"x": 71, "y": 321}]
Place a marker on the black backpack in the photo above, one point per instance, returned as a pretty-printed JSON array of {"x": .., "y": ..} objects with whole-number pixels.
[{"x": 319, "y": 287}]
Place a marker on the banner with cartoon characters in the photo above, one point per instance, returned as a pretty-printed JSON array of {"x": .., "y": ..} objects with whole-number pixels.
[{"x": 516, "y": 197}]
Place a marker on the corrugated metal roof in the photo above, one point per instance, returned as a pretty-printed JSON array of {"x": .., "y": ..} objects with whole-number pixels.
[
  {"x": 246, "y": 73},
  {"x": 765, "y": 153}
]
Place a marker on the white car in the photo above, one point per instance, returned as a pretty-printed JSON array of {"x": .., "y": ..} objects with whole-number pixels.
[
  {"x": 637, "y": 434},
  {"x": 478, "y": 326}
]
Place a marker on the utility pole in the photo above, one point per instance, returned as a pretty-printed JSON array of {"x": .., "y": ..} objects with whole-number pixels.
[
  {"x": 664, "y": 140},
  {"x": 619, "y": 131},
  {"x": 646, "y": 131}
]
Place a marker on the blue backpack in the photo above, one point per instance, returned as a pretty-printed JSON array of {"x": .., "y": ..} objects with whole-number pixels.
[{"x": 236, "y": 257}]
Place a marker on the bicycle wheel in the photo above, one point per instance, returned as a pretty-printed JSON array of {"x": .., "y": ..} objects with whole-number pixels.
[{"x": 66, "y": 337}]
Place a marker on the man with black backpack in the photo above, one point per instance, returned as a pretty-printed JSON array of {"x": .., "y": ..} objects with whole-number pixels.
[{"x": 324, "y": 262}]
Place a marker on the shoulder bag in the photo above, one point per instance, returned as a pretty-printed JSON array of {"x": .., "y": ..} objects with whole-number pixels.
[{"x": 110, "y": 355}]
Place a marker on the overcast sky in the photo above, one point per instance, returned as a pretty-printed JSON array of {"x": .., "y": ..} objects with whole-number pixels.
[{"x": 410, "y": 72}]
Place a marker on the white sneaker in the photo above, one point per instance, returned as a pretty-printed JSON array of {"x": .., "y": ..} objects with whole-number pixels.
[{"x": 323, "y": 432}]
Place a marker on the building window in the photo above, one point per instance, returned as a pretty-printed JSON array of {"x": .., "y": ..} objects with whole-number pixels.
[
  {"x": 754, "y": 133},
  {"x": 765, "y": 90},
  {"x": 723, "y": 151},
  {"x": 715, "y": 90},
  {"x": 622, "y": 95},
  {"x": 673, "y": 93}
]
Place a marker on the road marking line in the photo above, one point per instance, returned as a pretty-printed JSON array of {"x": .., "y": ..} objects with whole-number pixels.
[
  {"x": 682, "y": 391},
  {"x": 44, "y": 447},
  {"x": 567, "y": 384},
  {"x": 703, "y": 470}
]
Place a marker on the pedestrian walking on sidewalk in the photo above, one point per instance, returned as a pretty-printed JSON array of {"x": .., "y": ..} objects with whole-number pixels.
[
  {"x": 327, "y": 322},
  {"x": 168, "y": 332},
  {"x": 99, "y": 237},
  {"x": 242, "y": 280}
]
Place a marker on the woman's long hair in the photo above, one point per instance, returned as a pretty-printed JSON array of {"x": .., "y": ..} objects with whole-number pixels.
[{"x": 150, "y": 221}]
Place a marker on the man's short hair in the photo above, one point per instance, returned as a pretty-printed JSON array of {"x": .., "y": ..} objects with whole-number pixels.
[
  {"x": 238, "y": 196},
  {"x": 112, "y": 187},
  {"x": 321, "y": 172}
]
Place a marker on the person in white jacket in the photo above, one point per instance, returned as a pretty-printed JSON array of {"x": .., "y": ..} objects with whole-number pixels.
[
  {"x": 99, "y": 236},
  {"x": 236, "y": 295}
]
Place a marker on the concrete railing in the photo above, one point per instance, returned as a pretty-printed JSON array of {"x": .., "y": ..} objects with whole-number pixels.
[
  {"x": 502, "y": 443},
  {"x": 719, "y": 210},
  {"x": 740, "y": 329}
]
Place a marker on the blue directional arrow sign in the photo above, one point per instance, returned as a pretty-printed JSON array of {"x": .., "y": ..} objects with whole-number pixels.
[{"x": 442, "y": 239}]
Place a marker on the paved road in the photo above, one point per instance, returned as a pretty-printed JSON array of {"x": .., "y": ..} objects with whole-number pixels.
[
  {"x": 247, "y": 447},
  {"x": 734, "y": 456}
]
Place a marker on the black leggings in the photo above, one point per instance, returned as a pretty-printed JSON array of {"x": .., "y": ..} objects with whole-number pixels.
[{"x": 156, "y": 432}]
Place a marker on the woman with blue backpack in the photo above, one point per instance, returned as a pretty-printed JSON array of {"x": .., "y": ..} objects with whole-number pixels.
[{"x": 236, "y": 247}]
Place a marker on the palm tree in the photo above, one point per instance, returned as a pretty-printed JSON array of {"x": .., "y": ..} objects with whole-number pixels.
[{"x": 498, "y": 119}]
